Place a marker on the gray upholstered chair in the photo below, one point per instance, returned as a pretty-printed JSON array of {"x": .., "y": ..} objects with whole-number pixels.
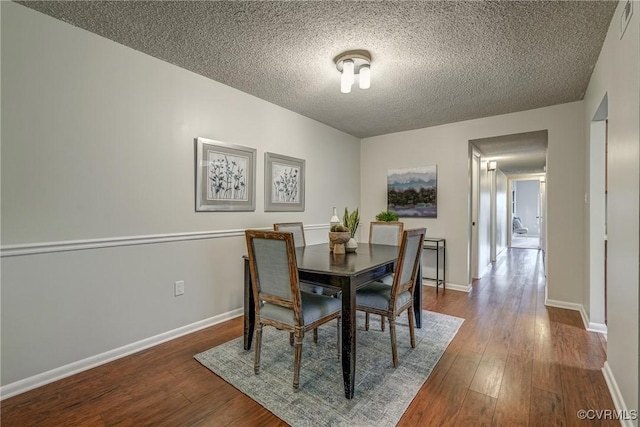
[
  {"x": 297, "y": 228},
  {"x": 518, "y": 227},
  {"x": 299, "y": 241},
  {"x": 385, "y": 233},
  {"x": 391, "y": 301},
  {"x": 276, "y": 290}
]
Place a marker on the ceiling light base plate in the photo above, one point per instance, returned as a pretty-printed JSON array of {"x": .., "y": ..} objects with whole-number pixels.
[{"x": 359, "y": 58}]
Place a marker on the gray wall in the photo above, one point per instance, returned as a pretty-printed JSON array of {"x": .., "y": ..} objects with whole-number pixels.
[
  {"x": 98, "y": 156},
  {"x": 616, "y": 77},
  {"x": 447, "y": 146}
]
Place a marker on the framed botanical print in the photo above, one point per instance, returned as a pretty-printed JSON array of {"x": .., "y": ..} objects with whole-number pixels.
[
  {"x": 225, "y": 176},
  {"x": 283, "y": 183}
]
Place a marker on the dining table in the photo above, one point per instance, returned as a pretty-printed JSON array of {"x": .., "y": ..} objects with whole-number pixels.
[{"x": 344, "y": 272}]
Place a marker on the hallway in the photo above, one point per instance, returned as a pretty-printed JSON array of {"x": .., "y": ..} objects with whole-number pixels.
[
  {"x": 513, "y": 362},
  {"x": 525, "y": 242}
]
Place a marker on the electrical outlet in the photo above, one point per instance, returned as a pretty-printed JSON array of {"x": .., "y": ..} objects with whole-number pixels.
[{"x": 178, "y": 288}]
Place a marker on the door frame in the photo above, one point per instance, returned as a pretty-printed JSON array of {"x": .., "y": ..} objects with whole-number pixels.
[
  {"x": 527, "y": 177},
  {"x": 474, "y": 208}
]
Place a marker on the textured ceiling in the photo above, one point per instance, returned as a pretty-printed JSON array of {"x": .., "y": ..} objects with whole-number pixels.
[
  {"x": 433, "y": 62},
  {"x": 516, "y": 154}
]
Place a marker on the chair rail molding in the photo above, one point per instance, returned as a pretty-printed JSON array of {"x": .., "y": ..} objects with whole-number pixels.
[{"x": 78, "y": 245}]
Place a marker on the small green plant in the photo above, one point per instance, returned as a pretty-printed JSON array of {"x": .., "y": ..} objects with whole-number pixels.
[
  {"x": 339, "y": 228},
  {"x": 387, "y": 216},
  {"x": 351, "y": 220}
]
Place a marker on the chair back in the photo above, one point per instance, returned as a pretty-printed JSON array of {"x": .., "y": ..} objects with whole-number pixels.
[
  {"x": 385, "y": 233},
  {"x": 409, "y": 258},
  {"x": 274, "y": 275},
  {"x": 293, "y": 227}
]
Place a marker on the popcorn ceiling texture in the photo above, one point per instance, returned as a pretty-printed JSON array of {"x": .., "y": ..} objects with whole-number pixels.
[{"x": 433, "y": 62}]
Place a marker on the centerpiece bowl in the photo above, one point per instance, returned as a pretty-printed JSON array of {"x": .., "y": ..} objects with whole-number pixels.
[{"x": 337, "y": 239}]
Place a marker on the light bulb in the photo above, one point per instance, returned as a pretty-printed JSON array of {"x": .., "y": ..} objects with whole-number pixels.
[
  {"x": 348, "y": 77},
  {"x": 365, "y": 77},
  {"x": 345, "y": 84},
  {"x": 348, "y": 70}
]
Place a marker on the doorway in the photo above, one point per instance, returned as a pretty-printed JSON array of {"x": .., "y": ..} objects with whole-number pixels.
[
  {"x": 597, "y": 219},
  {"x": 526, "y": 213}
]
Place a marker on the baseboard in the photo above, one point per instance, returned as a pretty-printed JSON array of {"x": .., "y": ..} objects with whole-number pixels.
[
  {"x": 569, "y": 306},
  {"x": 450, "y": 286},
  {"x": 39, "y": 380},
  {"x": 598, "y": 327},
  {"x": 616, "y": 395}
]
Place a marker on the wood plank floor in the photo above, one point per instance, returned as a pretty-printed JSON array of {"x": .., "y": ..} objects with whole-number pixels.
[{"x": 514, "y": 362}]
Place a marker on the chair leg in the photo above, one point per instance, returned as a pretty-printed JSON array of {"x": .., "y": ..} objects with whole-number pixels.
[
  {"x": 412, "y": 331},
  {"x": 258, "y": 344},
  {"x": 297, "y": 356},
  {"x": 394, "y": 349},
  {"x": 382, "y": 322},
  {"x": 315, "y": 335},
  {"x": 366, "y": 321}
]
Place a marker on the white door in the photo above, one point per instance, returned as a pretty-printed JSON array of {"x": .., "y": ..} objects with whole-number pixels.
[
  {"x": 475, "y": 200},
  {"x": 543, "y": 215}
]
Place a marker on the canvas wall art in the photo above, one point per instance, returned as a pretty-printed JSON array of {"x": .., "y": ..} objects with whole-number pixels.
[
  {"x": 225, "y": 176},
  {"x": 413, "y": 192}
]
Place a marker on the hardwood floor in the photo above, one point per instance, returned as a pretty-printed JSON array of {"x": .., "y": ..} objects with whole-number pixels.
[{"x": 513, "y": 362}]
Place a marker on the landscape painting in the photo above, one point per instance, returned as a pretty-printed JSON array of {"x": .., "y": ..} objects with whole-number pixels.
[{"x": 413, "y": 192}]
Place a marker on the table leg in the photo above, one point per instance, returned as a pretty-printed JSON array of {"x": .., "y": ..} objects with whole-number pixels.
[
  {"x": 417, "y": 298},
  {"x": 437, "y": 266},
  {"x": 249, "y": 308},
  {"x": 444, "y": 266},
  {"x": 348, "y": 337}
]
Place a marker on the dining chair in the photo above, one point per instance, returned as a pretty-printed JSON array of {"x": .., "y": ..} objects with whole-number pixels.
[
  {"x": 385, "y": 233},
  {"x": 297, "y": 228},
  {"x": 391, "y": 301},
  {"x": 276, "y": 290}
]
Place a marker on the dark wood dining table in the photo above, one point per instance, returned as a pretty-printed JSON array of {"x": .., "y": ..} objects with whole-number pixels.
[{"x": 346, "y": 272}]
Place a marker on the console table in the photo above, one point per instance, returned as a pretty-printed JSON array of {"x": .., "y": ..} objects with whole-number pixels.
[{"x": 435, "y": 244}]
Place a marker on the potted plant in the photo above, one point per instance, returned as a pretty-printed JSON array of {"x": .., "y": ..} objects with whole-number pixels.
[
  {"x": 387, "y": 216},
  {"x": 351, "y": 221}
]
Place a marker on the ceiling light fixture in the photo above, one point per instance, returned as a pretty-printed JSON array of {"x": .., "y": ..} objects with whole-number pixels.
[
  {"x": 351, "y": 63},
  {"x": 491, "y": 166}
]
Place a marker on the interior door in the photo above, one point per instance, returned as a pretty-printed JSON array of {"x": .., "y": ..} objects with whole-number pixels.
[
  {"x": 475, "y": 200},
  {"x": 543, "y": 214}
]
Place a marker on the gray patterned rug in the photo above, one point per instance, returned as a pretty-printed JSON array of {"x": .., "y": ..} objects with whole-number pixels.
[{"x": 382, "y": 393}]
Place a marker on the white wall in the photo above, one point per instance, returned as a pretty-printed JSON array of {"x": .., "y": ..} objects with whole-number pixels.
[
  {"x": 484, "y": 219},
  {"x": 447, "y": 147},
  {"x": 502, "y": 212},
  {"x": 528, "y": 204},
  {"x": 616, "y": 76},
  {"x": 97, "y": 144}
]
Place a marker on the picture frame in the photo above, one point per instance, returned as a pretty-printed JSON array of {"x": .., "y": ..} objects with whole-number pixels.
[
  {"x": 284, "y": 179},
  {"x": 413, "y": 192},
  {"x": 225, "y": 176}
]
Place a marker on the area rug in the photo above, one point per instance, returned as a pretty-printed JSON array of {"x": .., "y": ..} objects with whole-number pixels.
[{"x": 382, "y": 392}]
